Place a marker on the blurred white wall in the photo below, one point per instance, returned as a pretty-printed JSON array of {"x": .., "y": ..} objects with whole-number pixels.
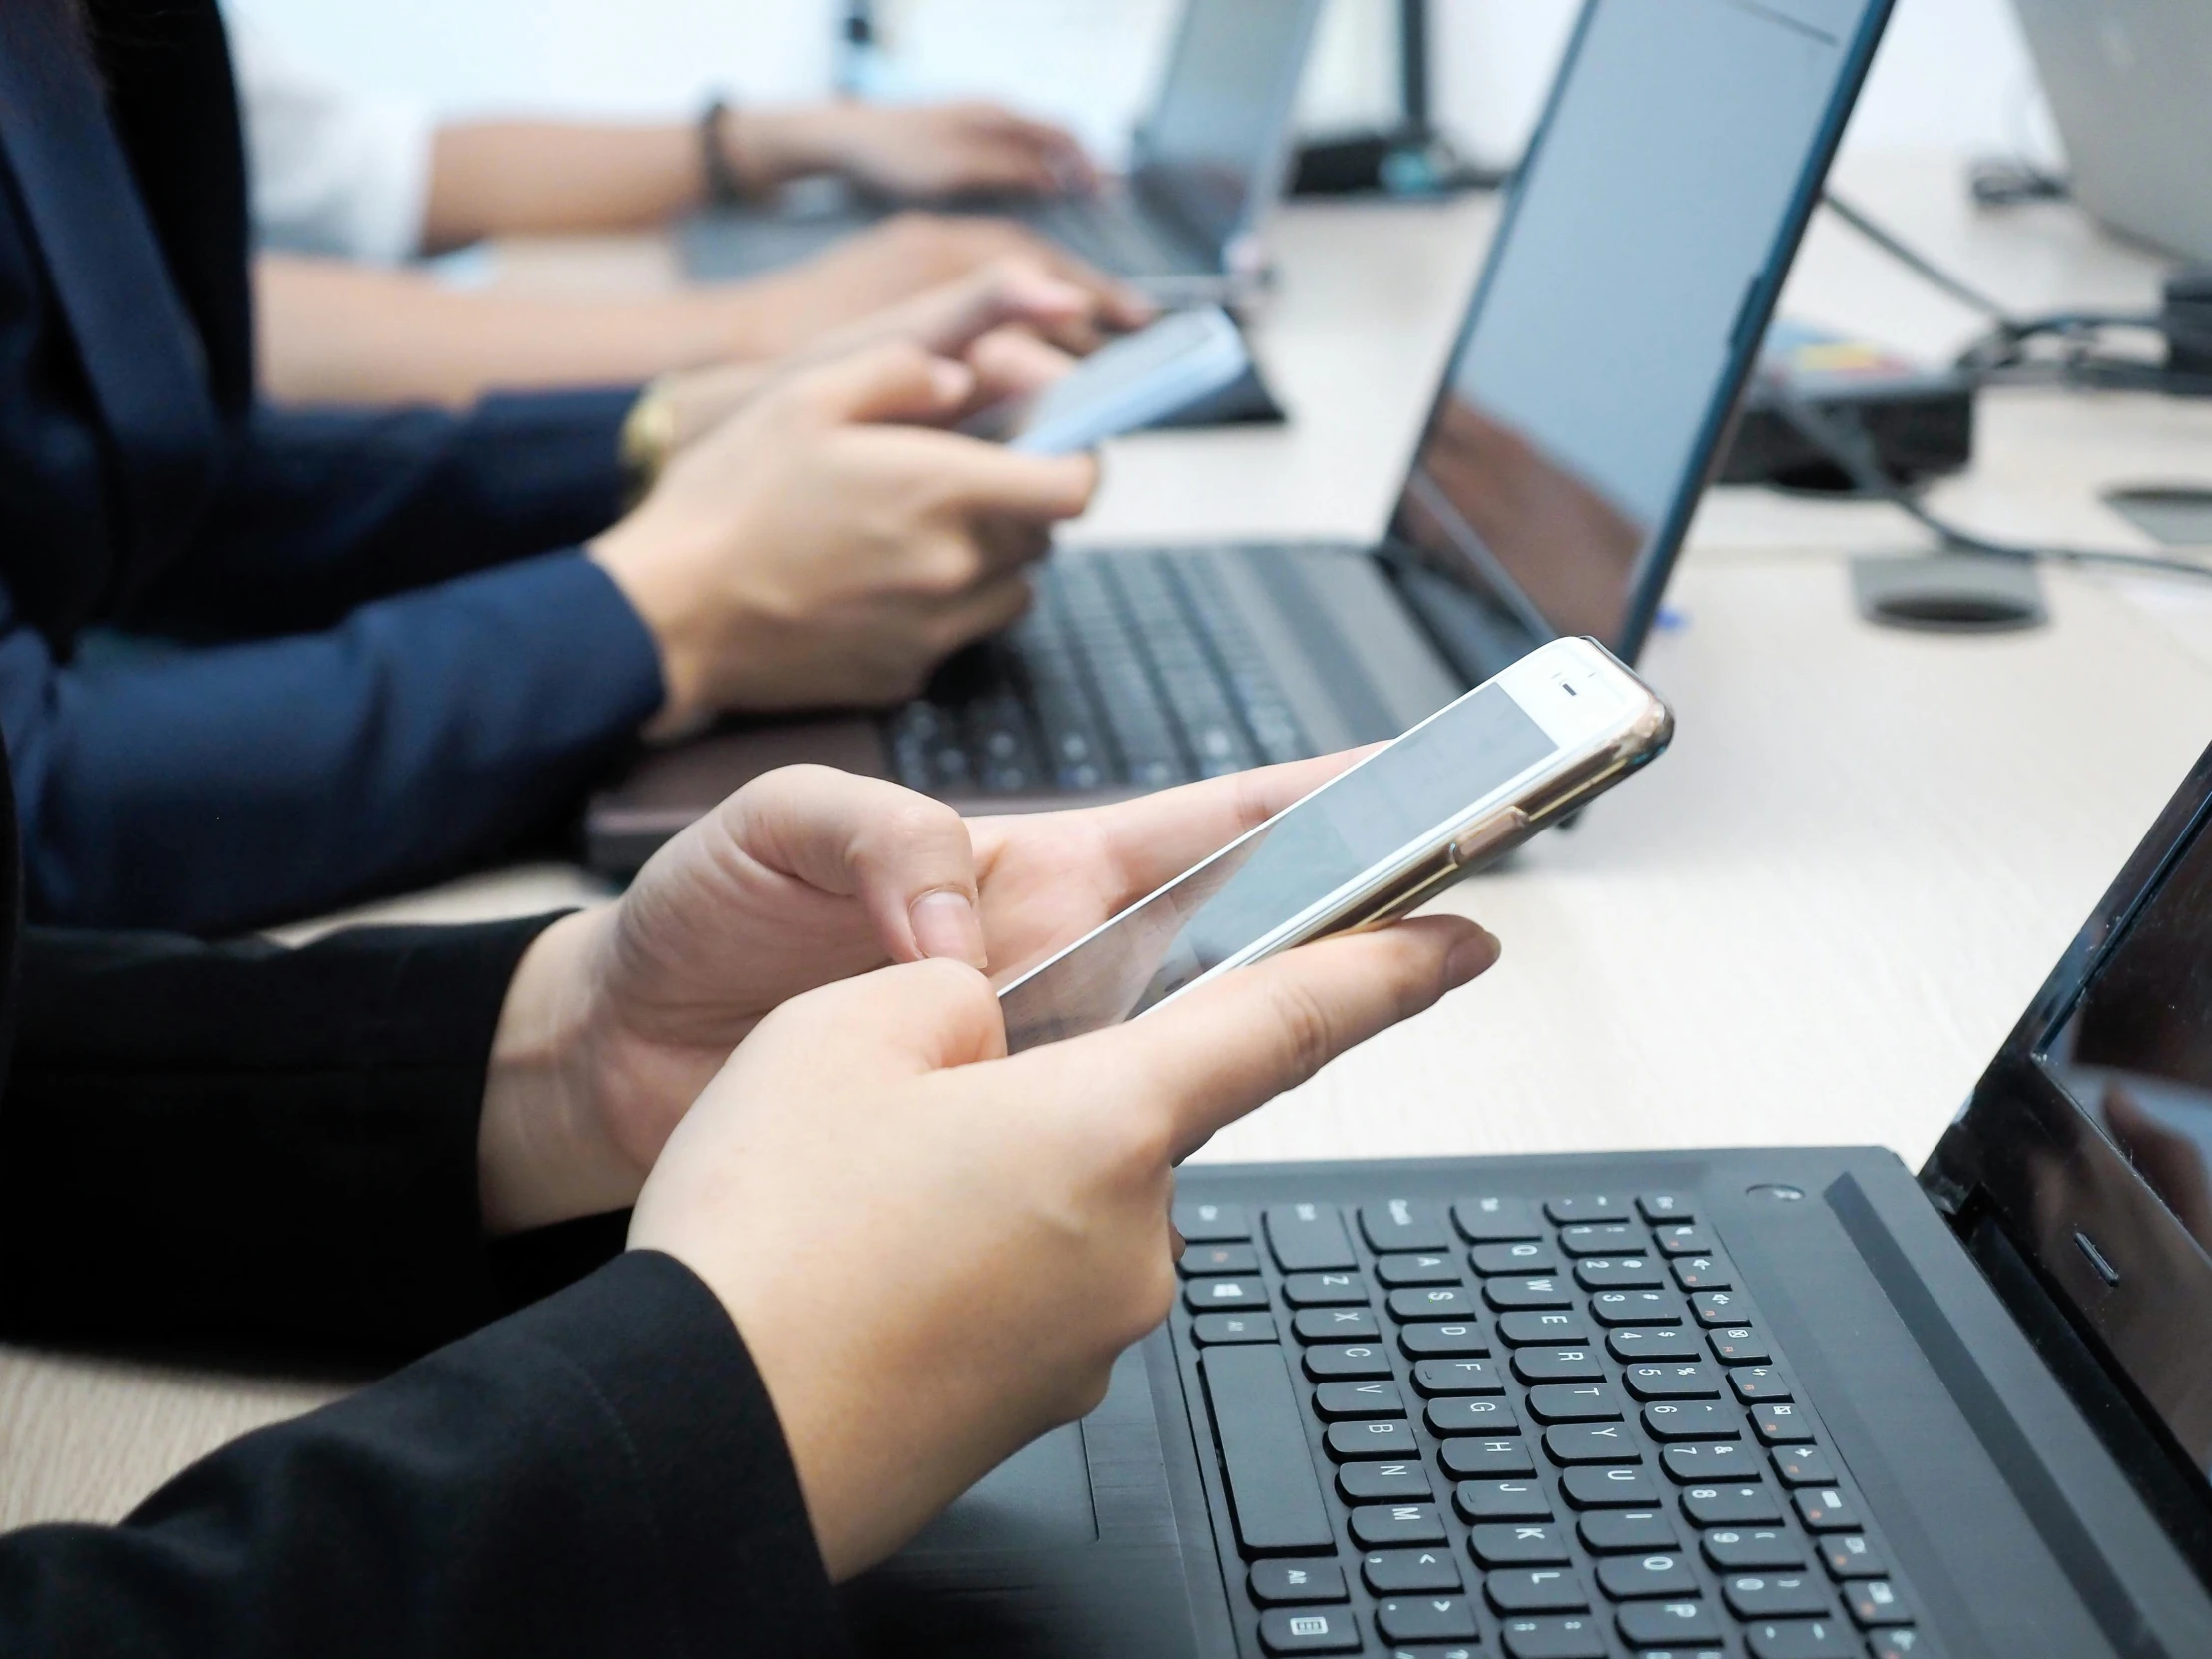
[{"x": 1952, "y": 73}]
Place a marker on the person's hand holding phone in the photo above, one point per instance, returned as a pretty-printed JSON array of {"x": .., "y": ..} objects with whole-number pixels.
[
  {"x": 933, "y": 1253},
  {"x": 805, "y": 876}
]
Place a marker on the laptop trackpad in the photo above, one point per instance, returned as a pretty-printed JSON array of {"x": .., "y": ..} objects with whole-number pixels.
[{"x": 1069, "y": 1548}]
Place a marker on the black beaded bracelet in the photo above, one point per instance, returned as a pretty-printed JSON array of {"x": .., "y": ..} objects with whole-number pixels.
[{"x": 725, "y": 186}]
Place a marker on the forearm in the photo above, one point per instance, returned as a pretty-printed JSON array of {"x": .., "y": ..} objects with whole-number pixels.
[
  {"x": 334, "y": 332},
  {"x": 601, "y": 1473},
  {"x": 510, "y": 177}
]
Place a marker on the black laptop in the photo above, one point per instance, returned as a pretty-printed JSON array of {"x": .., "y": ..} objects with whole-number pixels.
[
  {"x": 1759, "y": 1404},
  {"x": 1627, "y": 292},
  {"x": 1208, "y": 162}
]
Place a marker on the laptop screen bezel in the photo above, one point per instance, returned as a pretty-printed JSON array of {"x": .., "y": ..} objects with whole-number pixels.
[
  {"x": 1984, "y": 1172},
  {"x": 1648, "y": 577}
]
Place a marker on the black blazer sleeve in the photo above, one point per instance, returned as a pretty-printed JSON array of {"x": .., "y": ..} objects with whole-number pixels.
[
  {"x": 249, "y": 1143},
  {"x": 601, "y": 1474},
  {"x": 213, "y": 788},
  {"x": 322, "y": 511}
]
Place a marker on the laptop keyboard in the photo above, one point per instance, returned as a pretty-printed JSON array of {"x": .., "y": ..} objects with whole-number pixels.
[
  {"x": 1111, "y": 231},
  {"x": 1132, "y": 670},
  {"x": 1547, "y": 1430}
]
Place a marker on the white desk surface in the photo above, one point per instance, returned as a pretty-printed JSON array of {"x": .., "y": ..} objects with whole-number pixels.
[{"x": 1812, "y": 923}]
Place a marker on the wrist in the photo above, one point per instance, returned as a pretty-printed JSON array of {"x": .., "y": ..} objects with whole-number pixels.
[
  {"x": 634, "y": 560},
  {"x": 768, "y": 148},
  {"x": 543, "y": 1151}
]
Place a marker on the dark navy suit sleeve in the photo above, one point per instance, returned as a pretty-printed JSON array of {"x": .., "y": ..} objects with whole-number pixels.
[
  {"x": 213, "y": 789},
  {"x": 601, "y": 1473},
  {"x": 322, "y": 511}
]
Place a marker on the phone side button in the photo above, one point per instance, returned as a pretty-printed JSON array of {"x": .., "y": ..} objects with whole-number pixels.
[{"x": 1487, "y": 840}]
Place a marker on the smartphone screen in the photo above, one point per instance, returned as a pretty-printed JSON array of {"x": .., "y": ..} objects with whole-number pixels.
[{"x": 1396, "y": 800}]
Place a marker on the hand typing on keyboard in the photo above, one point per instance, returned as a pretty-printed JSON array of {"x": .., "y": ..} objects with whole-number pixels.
[{"x": 933, "y": 1253}]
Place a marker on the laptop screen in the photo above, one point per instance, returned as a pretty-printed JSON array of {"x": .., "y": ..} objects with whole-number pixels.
[
  {"x": 2134, "y": 1056},
  {"x": 1223, "y": 112},
  {"x": 1635, "y": 267}
]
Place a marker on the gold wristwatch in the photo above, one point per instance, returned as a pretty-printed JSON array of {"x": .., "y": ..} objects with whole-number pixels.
[{"x": 648, "y": 437}]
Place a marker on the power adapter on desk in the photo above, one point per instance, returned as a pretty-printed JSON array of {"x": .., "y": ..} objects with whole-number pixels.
[{"x": 1919, "y": 420}]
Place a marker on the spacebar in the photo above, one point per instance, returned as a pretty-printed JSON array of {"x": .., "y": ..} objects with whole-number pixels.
[{"x": 1272, "y": 1491}]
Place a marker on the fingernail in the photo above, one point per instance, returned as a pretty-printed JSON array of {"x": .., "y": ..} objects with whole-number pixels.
[
  {"x": 945, "y": 924},
  {"x": 1469, "y": 957}
]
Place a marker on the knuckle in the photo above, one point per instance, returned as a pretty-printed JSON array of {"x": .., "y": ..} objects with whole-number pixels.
[{"x": 1308, "y": 1032}]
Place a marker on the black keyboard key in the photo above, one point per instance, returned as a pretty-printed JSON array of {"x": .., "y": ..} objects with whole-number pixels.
[
  {"x": 1357, "y": 1401},
  {"x": 1691, "y": 1420},
  {"x": 1418, "y": 1269},
  {"x": 1273, "y": 1498},
  {"x": 1740, "y": 1344},
  {"x": 1737, "y": 1549},
  {"x": 1903, "y": 1643},
  {"x": 1388, "y": 1438},
  {"x": 1711, "y": 1464},
  {"x": 1541, "y": 1290},
  {"x": 1780, "y": 1424},
  {"x": 1647, "y": 1343},
  {"x": 1667, "y": 1624},
  {"x": 1684, "y": 1380},
  {"x": 1437, "y": 1302},
  {"x": 1201, "y": 1221},
  {"x": 1609, "y": 1489},
  {"x": 1593, "y": 1442},
  {"x": 1536, "y": 1590},
  {"x": 1587, "y": 1207},
  {"x": 1398, "y": 1572},
  {"x": 1308, "y": 1237},
  {"x": 1610, "y": 1239},
  {"x": 1630, "y": 1578},
  {"x": 1874, "y": 1601},
  {"x": 1518, "y": 1256},
  {"x": 1351, "y": 1361},
  {"x": 1501, "y": 1501},
  {"x": 1520, "y": 1329},
  {"x": 1720, "y": 1308},
  {"x": 1233, "y": 1327},
  {"x": 1804, "y": 1466},
  {"x": 1296, "y": 1583},
  {"x": 1557, "y": 1365},
  {"x": 1428, "y": 1619},
  {"x": 1802, "y": 1639},
  {"x": 1661, "y": 1208},
  {"x": 1488, "y": 1218},
  {"x": 1385, "y": 1483},
  {"x": 1204, "y": 1295},
  {"x": 1457, "y": 1377},
  {"x": 1640, "y": 1307},
  {"x": 1288, "y": 1630},
  {"x": 1449, "y": 1418},
  {"x": 1446, "y": 1338},
  {"x": 1773, "y": 1595},
  {"x": 1752, "y": 1383},
  {"x": 1404, "y": 1223},
  {"x": 1528, "y": 1544},
  {"x": 1825, "y": 1509},
  {"x": 1569, "y": 1638},
  {"x": 1627, "y": 1532},
  {"x": 1478, "y": 1459},
  {"x": 1575, "y": 1402},
  {"x": 1324, "y": 1290},
  {"x": 1736, "y": 1504},
  {"x": 1393, "y": 1525},
  {"x": 1702, "y": 1272},
  {"x": 1852, "y": 1555},
  {"x": 1683, "y": 1239},
  {"x": 1619, "y": 1272},
  {"x": 1214, "y": 1261},
  {"x": 1336, "y": 1325}
]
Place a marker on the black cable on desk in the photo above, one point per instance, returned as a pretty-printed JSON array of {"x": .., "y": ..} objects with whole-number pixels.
[{"x": 1844, "y": 443}]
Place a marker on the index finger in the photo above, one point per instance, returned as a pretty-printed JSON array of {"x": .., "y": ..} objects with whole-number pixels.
[{"x": 1208, "y": 1058}]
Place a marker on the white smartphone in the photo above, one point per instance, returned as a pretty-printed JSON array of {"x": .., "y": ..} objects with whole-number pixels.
[
  {"x": 1175, "y": 364},
  {"x": 1474, "y": 780}
]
